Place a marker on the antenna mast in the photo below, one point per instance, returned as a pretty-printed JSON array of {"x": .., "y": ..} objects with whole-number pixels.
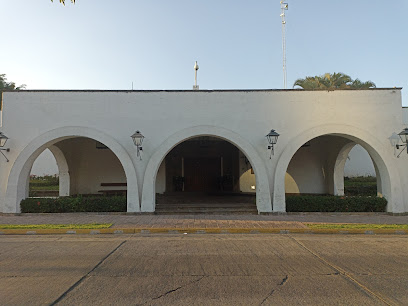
[
  {"x": 195, "y": 87},
  {"x": 284, "y": 7}
]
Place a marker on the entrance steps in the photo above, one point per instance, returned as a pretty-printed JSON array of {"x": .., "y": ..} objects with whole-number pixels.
[
  {"x": 201, "y": 208},
  {"x": 200, "y": 203}
]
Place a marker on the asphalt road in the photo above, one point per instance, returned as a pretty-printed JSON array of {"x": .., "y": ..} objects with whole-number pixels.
[{"x": 249, "y": 269}]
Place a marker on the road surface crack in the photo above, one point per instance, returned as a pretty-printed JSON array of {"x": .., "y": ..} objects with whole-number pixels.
[
  {"x": 178, "y": 288},
  {"x": 62, "y": 296},
  {"x": 284, "y": 280}
]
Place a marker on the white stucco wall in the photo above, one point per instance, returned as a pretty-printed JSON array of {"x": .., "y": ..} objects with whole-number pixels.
[
  {"x": 89, "y": 166},
  {"x": 305, "y": 173},
  {"x": 405, "y": 115},
  {"x": 34, "y": 119}
]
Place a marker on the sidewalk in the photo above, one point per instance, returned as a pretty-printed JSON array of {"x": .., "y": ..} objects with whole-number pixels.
[{"x": 136, "y": 223}]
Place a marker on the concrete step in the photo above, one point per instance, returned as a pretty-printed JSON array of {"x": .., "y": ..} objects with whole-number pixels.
[{"x": 210, "y": 208}]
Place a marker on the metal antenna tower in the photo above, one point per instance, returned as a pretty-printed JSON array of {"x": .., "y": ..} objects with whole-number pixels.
[{"x": 284, "y": 7}]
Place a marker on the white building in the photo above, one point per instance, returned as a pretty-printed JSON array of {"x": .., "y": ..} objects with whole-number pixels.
[{"x": 207, "y": 140}]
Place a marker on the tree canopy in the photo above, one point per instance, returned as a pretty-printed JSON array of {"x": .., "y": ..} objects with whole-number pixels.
[
  {"x": 331, "y": 81},
  {"x": 7, "y": 86},
  {"x": 63, "y": 1}
]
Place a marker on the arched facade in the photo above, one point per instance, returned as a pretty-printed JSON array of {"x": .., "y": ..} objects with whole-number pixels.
[
  {"x": 35, "y": 120},
  {"x": 263, "y": 199},
  {"x": 389, "y": 178},
  {"x": 17, "y": 187}
]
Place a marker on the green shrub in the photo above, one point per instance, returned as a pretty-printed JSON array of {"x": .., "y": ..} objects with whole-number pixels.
[
  {"x": 74, "y": 204},
  {"x": 335, "y": 204}
]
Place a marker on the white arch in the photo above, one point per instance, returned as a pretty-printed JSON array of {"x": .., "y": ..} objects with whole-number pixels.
[
  {"x": 390, "y": 183},
  {"x": 263, "y": 197},
  {"x": 17, "y": 186},
  {"x": 63, "y": 171},
  {"x": 338, "y": 176}
]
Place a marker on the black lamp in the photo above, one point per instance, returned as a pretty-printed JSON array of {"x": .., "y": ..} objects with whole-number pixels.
[
  {"x": 137, "y": 138},
  {"x": 404, "y": 138},
  {"x": 272, "y": 139}
]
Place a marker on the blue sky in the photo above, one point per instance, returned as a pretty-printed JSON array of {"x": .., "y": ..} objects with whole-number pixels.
[{"x": 101, "y": 44}]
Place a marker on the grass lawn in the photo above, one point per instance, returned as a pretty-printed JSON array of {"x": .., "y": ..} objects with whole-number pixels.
[
  {"x": 361, "y": 185},
  {"x": 56, "y": 226},
  {"x": 46, "y": 187},
  {"x": 356, "y": 226}
]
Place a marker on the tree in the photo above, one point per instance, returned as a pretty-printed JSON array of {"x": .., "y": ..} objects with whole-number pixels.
[
  {"x": 7, "y": 86},
  {"x": 357, "y": 84},
  {"x": 332, "y": 81},
  {"x": 63, "y": 1}
]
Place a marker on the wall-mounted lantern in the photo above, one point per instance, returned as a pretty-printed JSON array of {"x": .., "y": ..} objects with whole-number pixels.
[
  {"x": 137, "y": 138},
  {"x": 404, "y": 138},
  {"x": 272, "y": 139},
  {"x": 3, "y": 140}
]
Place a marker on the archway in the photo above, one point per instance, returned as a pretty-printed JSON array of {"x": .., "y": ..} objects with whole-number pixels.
[
  {"x": 205, "y": 174},
  {"x": 17, "y": 188},
  {"x": 354, "y": 173},
  {"x": 50, "y": 174},
  {"x": 263, "y": 202},
  {"x": 63, "y": 171},
  {"x": 385, "y": 169},
  {"x": 318, "y": 168}
]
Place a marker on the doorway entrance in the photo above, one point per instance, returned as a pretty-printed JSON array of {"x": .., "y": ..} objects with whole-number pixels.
[{"x": 202, "y": 174}]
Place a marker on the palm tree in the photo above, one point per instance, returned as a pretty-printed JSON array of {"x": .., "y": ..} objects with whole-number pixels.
[
  {"x": 357, "y": 84},
  {"x": 310, "y": 83},
  {"x": 332, "y": 81}
]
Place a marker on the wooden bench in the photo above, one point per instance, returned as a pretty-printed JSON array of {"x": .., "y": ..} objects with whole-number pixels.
[{"x": 113, "y": 192}]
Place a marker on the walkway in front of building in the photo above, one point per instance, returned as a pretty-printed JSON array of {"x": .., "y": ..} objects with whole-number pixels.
[{"x": 203, "y": 221}]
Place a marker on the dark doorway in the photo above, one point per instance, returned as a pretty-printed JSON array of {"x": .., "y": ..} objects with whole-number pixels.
[{"x": 202, "y": 174}]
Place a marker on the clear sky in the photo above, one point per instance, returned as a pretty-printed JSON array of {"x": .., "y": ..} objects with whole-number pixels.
[{"x": 107, "y": 44}]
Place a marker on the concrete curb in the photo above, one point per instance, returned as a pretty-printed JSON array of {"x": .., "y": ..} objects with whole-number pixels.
[{"x": 118, "y": 231}]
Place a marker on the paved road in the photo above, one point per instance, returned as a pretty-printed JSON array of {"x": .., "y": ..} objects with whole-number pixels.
[{"x": 204, "y": 269}]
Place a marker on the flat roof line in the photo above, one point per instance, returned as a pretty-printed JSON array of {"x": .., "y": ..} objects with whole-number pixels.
[{"x": 190, "y": 90}]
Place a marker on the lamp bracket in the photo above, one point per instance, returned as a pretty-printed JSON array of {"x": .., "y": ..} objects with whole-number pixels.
[
  {"x": 272, "y": 151},
  {"x": 7, "y": 150},
  {"x": 398, "y": 146}
]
